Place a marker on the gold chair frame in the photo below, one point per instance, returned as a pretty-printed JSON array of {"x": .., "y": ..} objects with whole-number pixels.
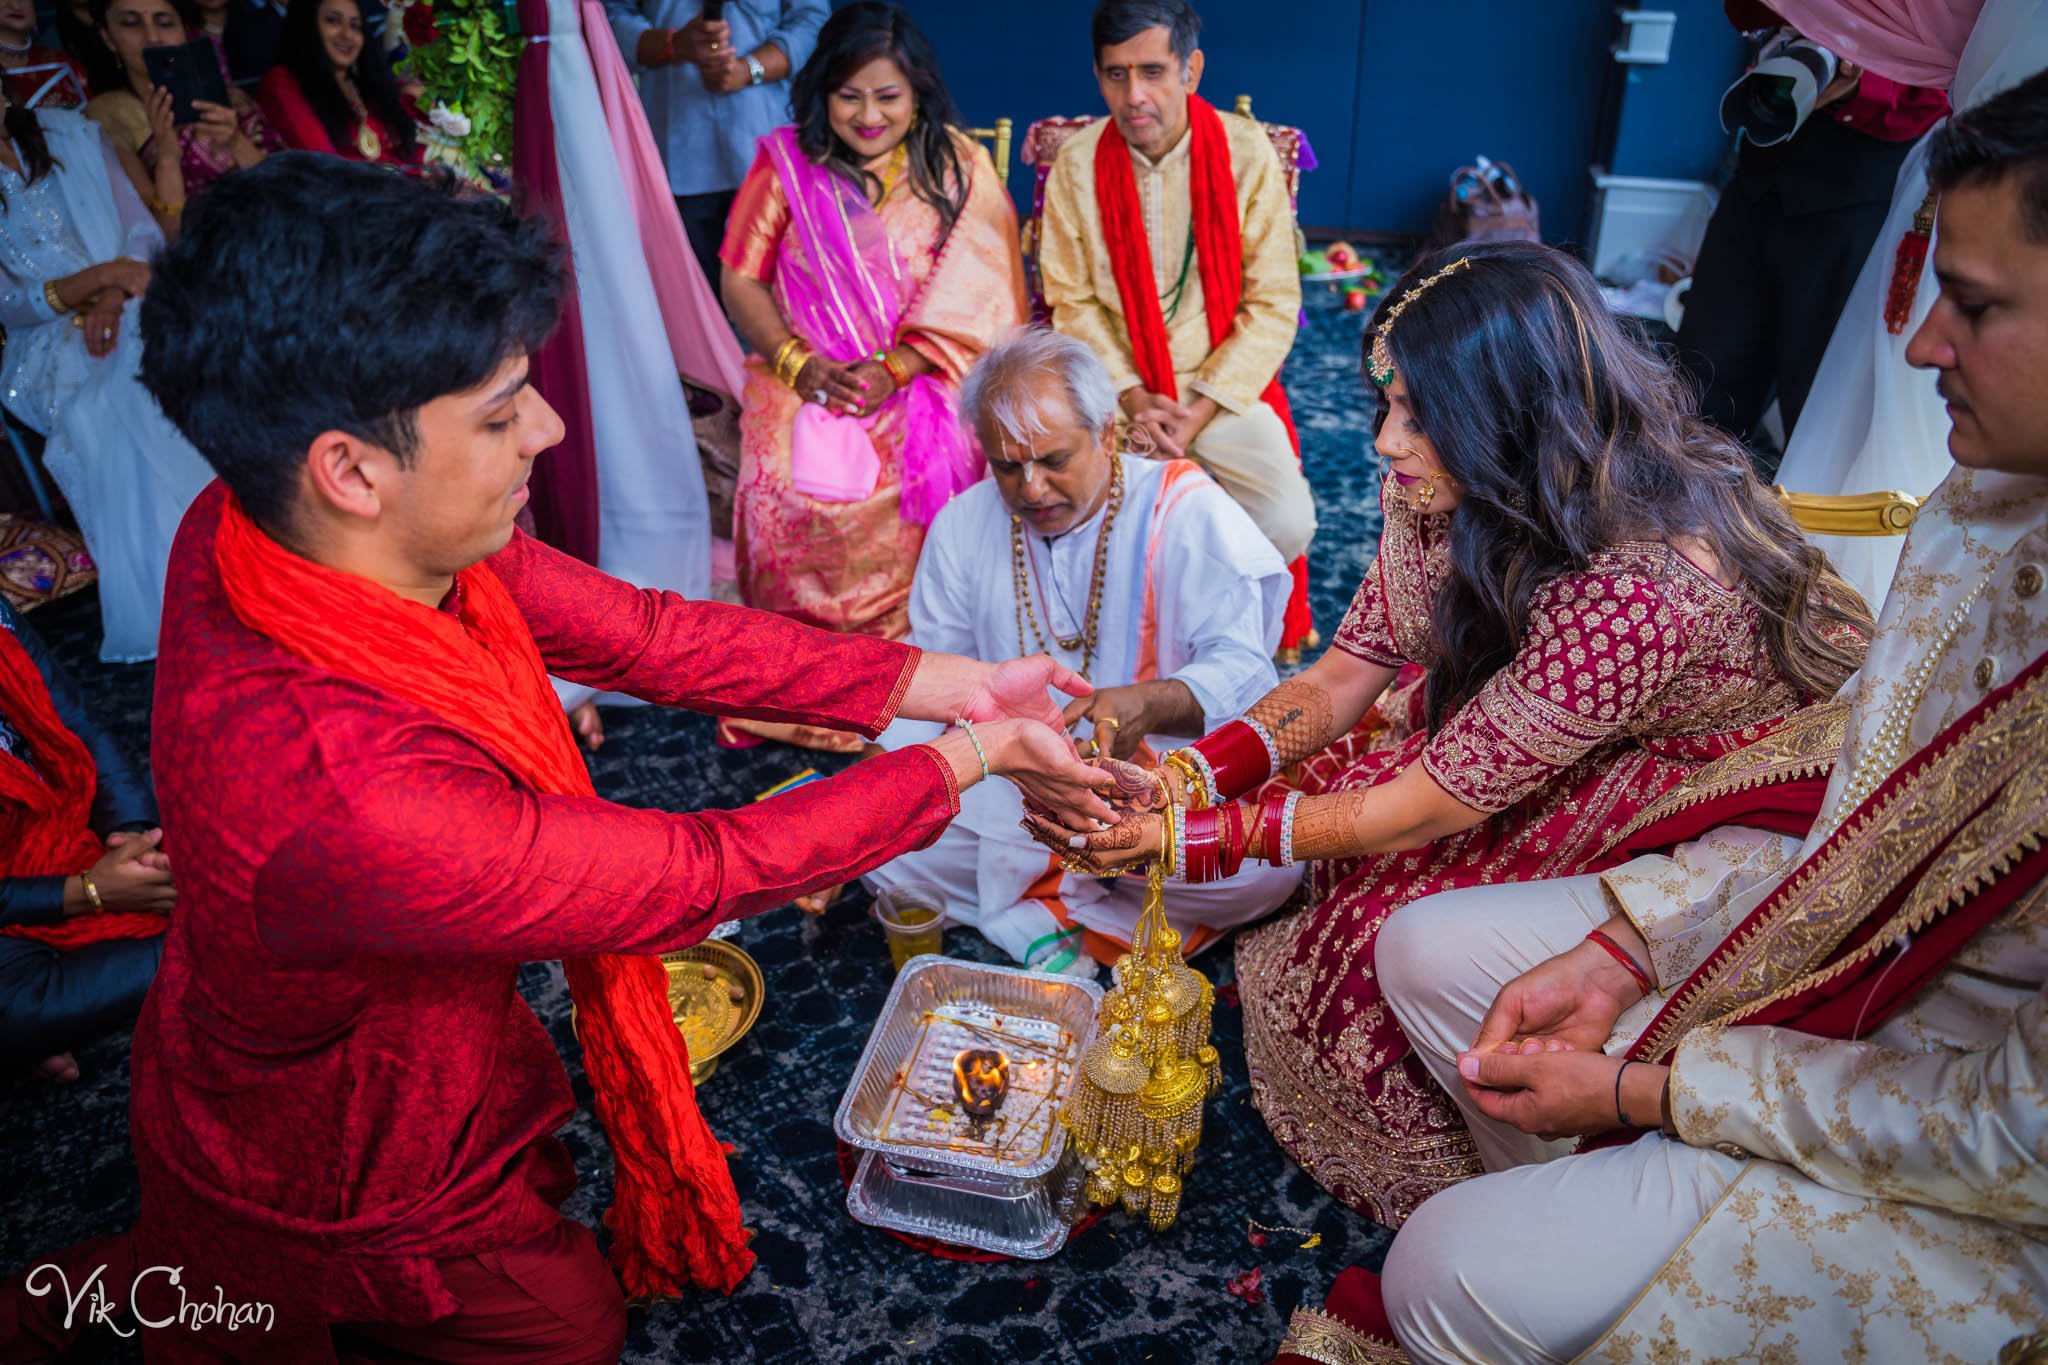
[
  {"x": 1851, "y": 514},
  {"x": 998, "y": 139}
]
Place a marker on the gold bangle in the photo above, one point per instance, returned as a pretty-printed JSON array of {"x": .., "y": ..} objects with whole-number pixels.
[
  {"x": 161, "y": 209},
  {"x": 1193, "y": 789},
  {"x": 92, "y": 893},
  {"x": 899, "y": 373},
  {"x": 790, "y": 359},
  {"x": 54, "y": 299}
]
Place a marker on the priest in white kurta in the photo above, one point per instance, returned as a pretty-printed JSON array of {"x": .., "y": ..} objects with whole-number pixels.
[{"x": 1144, "y": 576}]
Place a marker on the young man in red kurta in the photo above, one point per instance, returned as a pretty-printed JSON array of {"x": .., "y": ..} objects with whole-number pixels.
[{"x": 342, "y": 1108}]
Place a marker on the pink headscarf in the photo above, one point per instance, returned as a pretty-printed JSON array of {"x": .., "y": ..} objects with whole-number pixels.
[{"x": 1914, "y": 42}]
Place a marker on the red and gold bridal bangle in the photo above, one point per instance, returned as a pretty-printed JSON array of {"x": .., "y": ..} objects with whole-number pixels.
[
  {"x": 1276, "y": 829},
  {"x": 1214, "y": 842},
  {"x": 1238, "y": 758}
]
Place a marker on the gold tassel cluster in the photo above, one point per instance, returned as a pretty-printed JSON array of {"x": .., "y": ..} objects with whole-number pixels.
[{"x": 1135, "y": 1113}]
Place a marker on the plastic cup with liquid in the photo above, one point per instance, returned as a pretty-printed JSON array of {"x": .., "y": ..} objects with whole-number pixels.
[{"x": 913, "y": 919}]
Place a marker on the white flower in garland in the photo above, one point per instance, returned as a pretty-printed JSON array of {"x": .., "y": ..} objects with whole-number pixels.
[{"x": 447, "y": 121}]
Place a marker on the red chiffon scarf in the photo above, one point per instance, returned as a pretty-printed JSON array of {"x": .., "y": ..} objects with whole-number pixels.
[{"x": 675, "y": 1217}]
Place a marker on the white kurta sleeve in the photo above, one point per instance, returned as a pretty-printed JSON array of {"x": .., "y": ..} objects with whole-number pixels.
[
  {"x": 1221, "y": 590},
  {"x": 1960, "y": 1130}
]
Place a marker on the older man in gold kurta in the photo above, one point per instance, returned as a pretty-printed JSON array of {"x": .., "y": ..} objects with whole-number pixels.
[{"x": 1197, "y": 384}]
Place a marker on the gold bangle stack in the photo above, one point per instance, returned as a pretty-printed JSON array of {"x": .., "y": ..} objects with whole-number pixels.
[
  {"x": 790, "y": 358},
  {"x": 54, "y": 299},
  {"x": 1194, "y": 787},
  {"x": 899, "y": 373}
]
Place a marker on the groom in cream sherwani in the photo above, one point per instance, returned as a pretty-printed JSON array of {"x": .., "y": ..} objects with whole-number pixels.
[{"x": 1832, "y": 1105}]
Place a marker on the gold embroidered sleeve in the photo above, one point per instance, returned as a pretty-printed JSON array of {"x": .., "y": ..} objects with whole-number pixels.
[
  {"x": 1366, "y": 632},
  {"x": 1067, "y": 236},
  {"x": 755, "y": 226},
  {"x": 1598, "y": 650},
  {"x": 1238, "y": 370},
  {"x": 1959, "y": 1130},
  {"x": 1686, "y": 903}
]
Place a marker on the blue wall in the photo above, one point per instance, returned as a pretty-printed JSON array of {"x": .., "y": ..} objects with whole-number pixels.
[{"x": 1394, "y": 94}]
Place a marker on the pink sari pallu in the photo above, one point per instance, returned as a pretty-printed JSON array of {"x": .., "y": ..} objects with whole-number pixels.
[{"x": 843, "y": 290}]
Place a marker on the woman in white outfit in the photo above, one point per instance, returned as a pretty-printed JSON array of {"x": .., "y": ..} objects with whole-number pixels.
[{"x": 75, "y": 241}]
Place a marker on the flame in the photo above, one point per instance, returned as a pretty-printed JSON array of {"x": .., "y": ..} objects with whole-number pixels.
[{"x": 981, "y": 1080}]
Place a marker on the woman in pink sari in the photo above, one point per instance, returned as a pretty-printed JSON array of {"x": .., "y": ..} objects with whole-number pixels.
[{"x": 871, "y": 258}]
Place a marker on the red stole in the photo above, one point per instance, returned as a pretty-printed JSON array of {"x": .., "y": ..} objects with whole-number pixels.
[
  {"x": 1938, "y": 851},
  {"x": 1219, "y": 255},
  {"x": 45, "y": 810},
  {"x": 675, "y": 1218}
]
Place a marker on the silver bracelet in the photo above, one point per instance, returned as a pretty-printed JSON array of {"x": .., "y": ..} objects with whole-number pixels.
[
  {"x": 1272, "y": 749},
  {"x": 975, "y": 740},
  {"x": 1177, "y": 865},
  {"x": 1287, "y": 828}
]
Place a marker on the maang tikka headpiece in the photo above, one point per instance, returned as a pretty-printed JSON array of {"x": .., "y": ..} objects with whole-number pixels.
[{"x": 1379, "y": 363}]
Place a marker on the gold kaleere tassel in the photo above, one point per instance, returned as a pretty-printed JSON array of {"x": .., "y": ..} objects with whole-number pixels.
[{"x": 1135, "y": 1113}]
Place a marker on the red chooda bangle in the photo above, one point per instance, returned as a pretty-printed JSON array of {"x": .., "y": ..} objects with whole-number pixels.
[
  {"x": 1269, "y": 829},
  {"x": 1238, "y": 757},
  {"x": 1202, "y": 846},
  {"x": 1621, "y": 955}
]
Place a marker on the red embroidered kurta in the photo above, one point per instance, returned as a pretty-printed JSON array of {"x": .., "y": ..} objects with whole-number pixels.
[{"x": 334, "y": 1079}]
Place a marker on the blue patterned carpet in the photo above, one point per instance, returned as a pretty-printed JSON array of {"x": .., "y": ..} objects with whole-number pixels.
[{"x": 826, "y": 1288}]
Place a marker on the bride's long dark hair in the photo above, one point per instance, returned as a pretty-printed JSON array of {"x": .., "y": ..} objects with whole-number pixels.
[
  {"x": 851, "y": 39},
  {"x": 302, "y": 51},
  {"x": 1569, "y": 438}
]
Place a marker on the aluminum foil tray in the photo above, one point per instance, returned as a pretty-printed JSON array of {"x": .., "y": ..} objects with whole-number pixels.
[
  {"x": 1023, "y": 1218},
  {"x": 899, "y": 1102}
]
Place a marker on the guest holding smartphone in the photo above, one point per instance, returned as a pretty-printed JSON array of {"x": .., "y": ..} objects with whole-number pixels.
[
  {"x": 221, "y": 138},
  {"x": 714, "y": 75}
]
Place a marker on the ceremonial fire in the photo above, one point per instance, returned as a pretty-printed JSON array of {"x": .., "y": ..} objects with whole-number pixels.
[{"x": 981, "y": 1080}]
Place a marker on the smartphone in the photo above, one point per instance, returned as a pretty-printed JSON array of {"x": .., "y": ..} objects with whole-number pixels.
[
  {"x": 190, "y": 71},
  {"x": 713, "y": 12}
]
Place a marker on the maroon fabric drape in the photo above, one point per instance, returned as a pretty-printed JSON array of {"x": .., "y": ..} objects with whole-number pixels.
[{"x": 564, "y": 484}]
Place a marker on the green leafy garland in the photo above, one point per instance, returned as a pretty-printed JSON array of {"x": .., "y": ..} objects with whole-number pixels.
[{"x": 465, "y": 56}]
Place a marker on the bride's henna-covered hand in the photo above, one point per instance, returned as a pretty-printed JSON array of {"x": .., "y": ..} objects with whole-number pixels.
[
  {"x": 1300, "y": 716},
  {"x": 1106, "y": 852},
  {"x": 1137, "y": 791}
]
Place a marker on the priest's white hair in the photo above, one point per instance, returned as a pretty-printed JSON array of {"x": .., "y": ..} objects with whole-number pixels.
[{"x": 1002, "y": 391}]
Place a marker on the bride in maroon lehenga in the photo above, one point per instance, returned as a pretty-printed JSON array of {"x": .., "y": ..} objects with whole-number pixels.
[{"x": 1604, "y": 597}]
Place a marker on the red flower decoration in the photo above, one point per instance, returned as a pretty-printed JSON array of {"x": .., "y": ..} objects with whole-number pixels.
[
  {"x": 420, "y": 28},
  {"x": 1246, "y": 1286},
  {"x": 1257, "y": 1239}
]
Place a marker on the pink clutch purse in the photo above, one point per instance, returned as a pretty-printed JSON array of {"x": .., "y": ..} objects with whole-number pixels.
[{"x": 831, "y": 458}]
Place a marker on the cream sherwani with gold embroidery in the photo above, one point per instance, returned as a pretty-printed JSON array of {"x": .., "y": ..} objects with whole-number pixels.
[
  {"x": 1244, "y": 446},
  {"x": 1877, "y": 1200}
]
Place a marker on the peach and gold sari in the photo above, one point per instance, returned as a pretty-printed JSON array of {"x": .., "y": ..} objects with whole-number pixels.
[{"x": 846, "y": 565}]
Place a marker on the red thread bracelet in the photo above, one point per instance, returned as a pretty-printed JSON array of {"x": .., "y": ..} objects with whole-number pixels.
[{"x": 1621, "y": 955}]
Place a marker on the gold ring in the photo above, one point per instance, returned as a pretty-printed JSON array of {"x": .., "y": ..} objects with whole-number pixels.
[{"x": 1094, "y": 747}]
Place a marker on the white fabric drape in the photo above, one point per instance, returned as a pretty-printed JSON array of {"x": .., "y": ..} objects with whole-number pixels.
[{"x": 1872, "y": 422}]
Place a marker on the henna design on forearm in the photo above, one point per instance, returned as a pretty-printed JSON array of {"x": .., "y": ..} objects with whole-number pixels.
[
  {"x": 1327, "y": 826},
  {"x": 1299, "y": 715}
]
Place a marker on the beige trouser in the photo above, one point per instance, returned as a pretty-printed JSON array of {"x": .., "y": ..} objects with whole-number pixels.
[
  {"x": 1442, "y": 960},
  {"x": 1250, "y": 455},
  {"x": 1534, "y": 1262}
]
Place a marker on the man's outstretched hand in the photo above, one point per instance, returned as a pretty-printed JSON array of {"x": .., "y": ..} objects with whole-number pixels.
[{"x": 1023, "y": 688}]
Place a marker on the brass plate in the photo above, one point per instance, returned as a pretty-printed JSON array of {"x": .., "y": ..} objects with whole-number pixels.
[
  {"x": 705, "y": 1013},
  {"x": 710, "y": 1020}
]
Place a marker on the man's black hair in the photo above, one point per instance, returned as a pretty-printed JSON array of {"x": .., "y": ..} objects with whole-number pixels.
[
  {"x": 1119, "y": 21},
  {"x": 2006, "y": 135},
  {"x": 309, "y": 294}
]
